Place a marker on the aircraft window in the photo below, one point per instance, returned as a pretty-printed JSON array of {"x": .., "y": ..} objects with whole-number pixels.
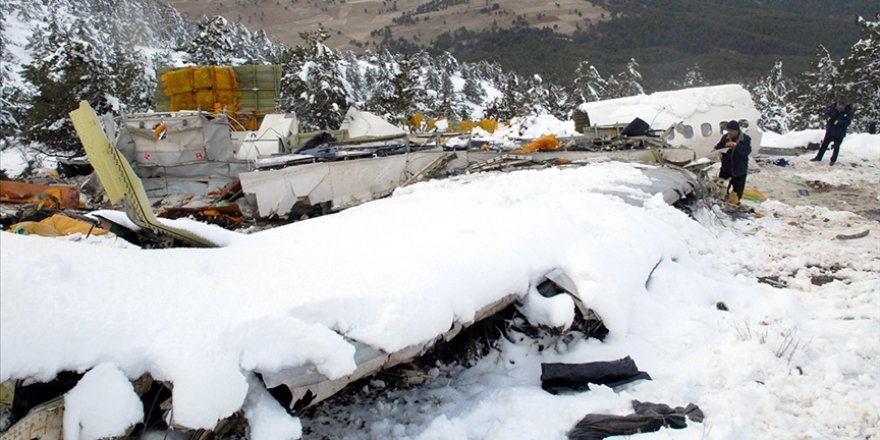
[
  {"x": 688, "y": 131},
  {"x": 722, "y": 126},
  {"x": 743, "y": 123},
  {"x": 706, "y": 128}
]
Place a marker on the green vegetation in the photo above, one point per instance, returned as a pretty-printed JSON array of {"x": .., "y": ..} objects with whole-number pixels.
[{"x": 731, "y": 40}]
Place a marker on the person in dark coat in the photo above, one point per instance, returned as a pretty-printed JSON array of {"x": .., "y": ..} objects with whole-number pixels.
[
  {"x": 839, "y": 116},
  {"x": 735, "y": 160}
]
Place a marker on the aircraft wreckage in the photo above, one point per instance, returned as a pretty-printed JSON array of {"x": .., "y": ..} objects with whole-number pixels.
[
  {"x": 305, "y": 384},
  {"x": 274, "y": 171}
]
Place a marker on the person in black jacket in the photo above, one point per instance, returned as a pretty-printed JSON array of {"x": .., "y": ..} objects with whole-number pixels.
[
  {"x": 839, "y": 116},
  {"x": 735, "y": 160}
]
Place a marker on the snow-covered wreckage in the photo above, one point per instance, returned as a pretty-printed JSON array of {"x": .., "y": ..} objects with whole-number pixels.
[
  {"x": 283, "y": 320},
  {"x": 279, "y": 168}
]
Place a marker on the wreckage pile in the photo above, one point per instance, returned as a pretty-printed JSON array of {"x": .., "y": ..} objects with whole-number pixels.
[
  {"x": 194, "y": 164},
  {"x": 334, "y": 355},
  {"x": 310, "y": 376}
]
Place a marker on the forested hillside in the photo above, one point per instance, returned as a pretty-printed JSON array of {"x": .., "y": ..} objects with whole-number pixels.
[{"x": 731, "y": 40}]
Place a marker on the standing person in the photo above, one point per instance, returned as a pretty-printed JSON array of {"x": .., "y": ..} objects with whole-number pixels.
[
  {"x": 735, "y": 160},
  {"x": 839, "y": 116}
]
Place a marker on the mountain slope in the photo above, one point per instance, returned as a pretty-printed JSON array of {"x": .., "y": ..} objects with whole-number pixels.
[{"x": 731, "y": 40}]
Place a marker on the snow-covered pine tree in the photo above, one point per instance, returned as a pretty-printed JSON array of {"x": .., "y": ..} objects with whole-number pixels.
[
  {"x": 473, "y": 90},
  {"x": 694, "y": 77},
  {"x": 535, "y": 93},
  {"x": 772, "y": 95},
  {"x": 630, "y": 80},
  {"x": 10, "y": 103},
  {"x": 448, "y": 102},
  {"x": 861, "y": 74},
  {"x": 133, "y": 78},
  {"x": 431, "y": 76},
  {"x": 312, "y": 85},
  {"x": 66, "y": 69},
  {"x": 588, "y": 83},
  {"x": 613, "y": 88},
  {"x": 401, "y": 95},
  {"x": 558, "y": 102},
  {"x": 357, "y": 92},
  {"x": 512, "y": 102},
  {"x": 816, "y": 90},
  {"x": 213, "y": 43},
  {"x": 263, "y": 50}
]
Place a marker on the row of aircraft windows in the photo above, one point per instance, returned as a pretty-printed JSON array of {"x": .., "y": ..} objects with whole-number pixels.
[{"x": 706, "y": 129}]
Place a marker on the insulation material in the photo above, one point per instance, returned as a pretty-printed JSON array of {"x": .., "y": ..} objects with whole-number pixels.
[
  {"x": 23, "y": 192},
  {"x": 544, "y": 143},
  {"x": 55, "y": 226},
  {"x": 205, "y": 88}
]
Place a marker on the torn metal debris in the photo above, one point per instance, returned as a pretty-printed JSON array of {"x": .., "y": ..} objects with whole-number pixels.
[
  {"x": 558, "y": 377},
  {"x": 647, "y": 417}
]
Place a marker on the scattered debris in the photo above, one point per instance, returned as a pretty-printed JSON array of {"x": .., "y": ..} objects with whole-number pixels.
[
  {"x": 58, "y": 225},
  {"x": 544, "y": 143},
  {"x": 821, "y": 280},
  {"x": 72, "y": 167},
  {"x": 431, "y": 170},
  {"x": 853, "y": 236},
  {"x": 818, "y": 185},
  {"x": 754, "y": 195},
  {"x": 773, "y": 280},
  {"x": 119, "y": 179},
  {"x": 43, "y": 422},
  {"x": 504, "y": 161},
  {"x": 775, "y": 151},
  {"x": 59, "y": 196},
  {"x": 648, "y": 417},
  {"x": 559, "y": 377},
  {"x": 781, "y": 163}
]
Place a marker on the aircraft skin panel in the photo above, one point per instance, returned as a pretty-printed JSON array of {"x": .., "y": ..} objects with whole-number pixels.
[{"x": 119, "y": 179}]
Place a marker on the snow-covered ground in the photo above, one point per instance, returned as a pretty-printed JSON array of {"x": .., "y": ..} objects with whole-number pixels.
[
  {"x": 801, "y": 361},
  {"x": 797, "y": 362}
]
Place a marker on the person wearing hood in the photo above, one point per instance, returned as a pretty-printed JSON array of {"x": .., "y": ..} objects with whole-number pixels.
[
  {"x": 735, "y": 159},
  {"x": 839, "y": 116}
]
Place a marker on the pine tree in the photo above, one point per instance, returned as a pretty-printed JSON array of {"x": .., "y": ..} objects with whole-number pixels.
[
  {"x": 312, "y": 86},
  {"x": 694, "y": 78},
  {"x": 588, "y": 83},
  {"x": 613, "y": 88},
  {"x": 213, "y": 44},
  {"x": 266, "y": 51},
  {"x": 772, "y": 95},
  {"x": 448, "y": 102},
  {"x": 133, "y": 79},
  {"x": 630, "y": 80},
  {"x": 861, "y": 74},
  {"x": 9, "y": 94},
  {"x": 816, "y": 90},
  {"x": 512, "y": 102},
  {"x": 402, "y": 93},
  {"x": 558, "y": 102},
  {"x": 473, "y": 90},
  {"x": 357, "y": 92},
  {"x": 65, "y": 70}
]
